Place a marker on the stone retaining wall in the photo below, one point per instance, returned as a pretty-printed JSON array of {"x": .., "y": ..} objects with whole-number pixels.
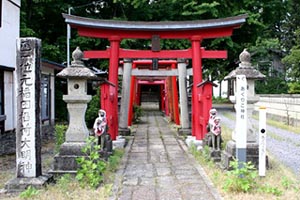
[
  {"x": 8, "y": 139},
  {"x": 283, "y": 107}
]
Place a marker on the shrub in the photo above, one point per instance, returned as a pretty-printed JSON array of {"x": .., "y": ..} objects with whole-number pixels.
[
  {"x": 60, "y": 131},
  {"x": 92, "y": 167},
  {"x": 29, "y": 193},
  {"x": 242, "y": 177},
  {"x": 92, "y": 110},
  {"x": 138, "y": 112}
]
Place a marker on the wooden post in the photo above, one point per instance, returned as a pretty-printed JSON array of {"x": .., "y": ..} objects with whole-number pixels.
[
  {"x": 112, "y": 110},
  {"x": 262, "y": 141},
  {"x": 197, "y": 78}
]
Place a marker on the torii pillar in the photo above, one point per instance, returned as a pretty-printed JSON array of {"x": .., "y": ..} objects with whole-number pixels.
[
  {"x": 123, "y": 121},
  {"x": 112, "y": 109},
  {"x": 184, "y": 112},
  {"x": 197, "y": 78}
]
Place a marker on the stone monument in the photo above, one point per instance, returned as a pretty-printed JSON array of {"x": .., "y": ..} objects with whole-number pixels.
[
  {"x": 245, "y": 68},
  {"x": 76, "y": 99},
  {"x": 28, "y": 130}
]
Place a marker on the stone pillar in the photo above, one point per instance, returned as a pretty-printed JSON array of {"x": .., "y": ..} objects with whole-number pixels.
[
  {"x": 28, "y": 130},
  {"x": 184, "y": 113},
  {"x": 76, "y": 99},
  {"x": 123, "y": 120}
]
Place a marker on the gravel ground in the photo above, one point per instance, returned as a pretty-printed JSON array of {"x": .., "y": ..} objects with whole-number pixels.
[{"x": 282, "y": 144}]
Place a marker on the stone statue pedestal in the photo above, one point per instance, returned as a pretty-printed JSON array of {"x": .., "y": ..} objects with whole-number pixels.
[
  {"x": 184, "y": 131},
  {"x": 124, "y": 131}
]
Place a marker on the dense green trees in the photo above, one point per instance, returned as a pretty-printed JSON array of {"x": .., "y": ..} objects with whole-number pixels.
[{"x": 272, "y": 27}]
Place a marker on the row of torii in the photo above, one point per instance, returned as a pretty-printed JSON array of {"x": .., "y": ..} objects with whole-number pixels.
[{"x": 174, "y": 62}]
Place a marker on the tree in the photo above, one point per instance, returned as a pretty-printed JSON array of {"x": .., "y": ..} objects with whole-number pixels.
[{"x": 267, "y": 21}]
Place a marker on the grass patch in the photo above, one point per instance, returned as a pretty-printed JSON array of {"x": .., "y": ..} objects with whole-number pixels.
[
  {"x": 279, "y": 183},
  {"x": 270, "y": 122},
  {"x": 67, "y": 187},
  {"x": 281, "y": 125},
  {"x": 219, "y": 100}
]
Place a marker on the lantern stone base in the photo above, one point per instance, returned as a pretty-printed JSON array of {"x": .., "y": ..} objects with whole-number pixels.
[
  {"x": 65, "y": 160},
  {"x": 21, "y": 184},
  {"x": 184, "y": 131},
  {"x": 119, "y": 143},
  {"x": 124, "y": 131},
  {"x": 230, "y": 153},
  {"x": 191, "y": 140}
]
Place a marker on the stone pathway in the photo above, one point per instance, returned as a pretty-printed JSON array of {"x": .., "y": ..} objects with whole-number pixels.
[{"x": 157, "y": 166}]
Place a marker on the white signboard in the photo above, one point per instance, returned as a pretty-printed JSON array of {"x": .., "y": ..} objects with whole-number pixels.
[
  {"x": 241, "y": 111},
  {"x": 28, "y": 107},
  {"x": 262, "y": 141}
]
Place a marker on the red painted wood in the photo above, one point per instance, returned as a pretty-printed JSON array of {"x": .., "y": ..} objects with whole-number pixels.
[
  {"x": 125, "y": 53},
  {"x": 197, "y": 78},
  {"x": 205, "y": 97},
  {"x": 134, "y": 34},
  {"x": 131, "y": 100},
  {"x": 175, "y": 97},
  {"x": 112, "y": 109}
]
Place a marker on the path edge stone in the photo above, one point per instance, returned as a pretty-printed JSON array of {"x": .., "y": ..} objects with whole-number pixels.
[{"x": 214, "y": 192}]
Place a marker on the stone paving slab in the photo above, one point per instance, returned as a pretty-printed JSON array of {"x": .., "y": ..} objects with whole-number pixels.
[{"x": 158, "y": 166}]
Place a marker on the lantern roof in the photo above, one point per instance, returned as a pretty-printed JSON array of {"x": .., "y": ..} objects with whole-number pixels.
[
  {"x": 77, "y": 68},
  {"x": 245, "y": 68}
]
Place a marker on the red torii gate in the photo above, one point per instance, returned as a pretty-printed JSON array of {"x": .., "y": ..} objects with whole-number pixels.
[
  {"x": 195, "y": 31},
  {"x": 135, "y": 96}
]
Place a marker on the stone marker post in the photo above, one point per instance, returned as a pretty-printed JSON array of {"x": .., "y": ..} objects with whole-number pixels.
[
  {"x": 77, "y": 99},
  {"x": 28, "y": 130}
]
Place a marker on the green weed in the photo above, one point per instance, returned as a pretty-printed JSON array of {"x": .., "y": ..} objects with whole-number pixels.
[
  {"x": 92, "y": 167},
  {"x": 30, "y": 192},
  {"x": 242, "y": 177}
]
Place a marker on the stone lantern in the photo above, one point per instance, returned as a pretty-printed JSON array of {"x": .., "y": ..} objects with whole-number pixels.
[
  {"x": 77, "y": 75},
  {"x": 245, "y": 68}
]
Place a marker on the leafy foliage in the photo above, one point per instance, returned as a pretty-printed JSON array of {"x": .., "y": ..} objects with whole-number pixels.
[
  {"x": 60, "y": 131},
  {"x": 271, "y": 85},
  {"x": 241, "y": 178},
  {"x": 92, "y": 110},
  {"x": 294, "y": 88},
  {"x": 271, "y": 190},
  {"x": 92, "y": 167},
  {"x": 29, "y": 193},
  {"x": 138, "y": 112},
  {"x": 61, "y": 114},
  {"x": 272, "y": 25}
]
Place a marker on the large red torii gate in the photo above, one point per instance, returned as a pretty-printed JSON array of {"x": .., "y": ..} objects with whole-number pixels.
[{"x": 195, "y": 31}]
